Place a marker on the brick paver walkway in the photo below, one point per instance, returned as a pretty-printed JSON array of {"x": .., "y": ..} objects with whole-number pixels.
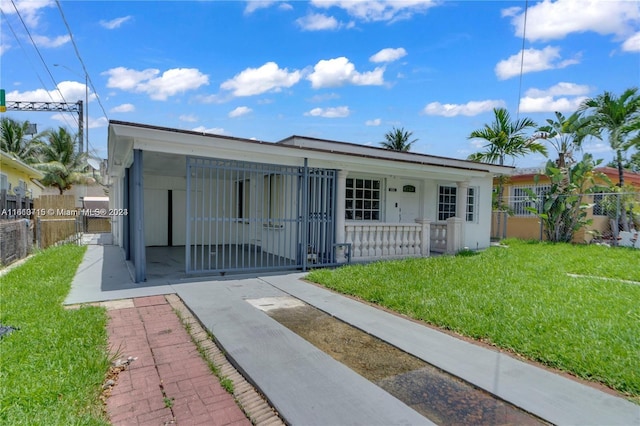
[{"x": 169, "y": 382}]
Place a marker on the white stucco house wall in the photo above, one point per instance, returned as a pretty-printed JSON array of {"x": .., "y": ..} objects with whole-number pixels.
[{"x": 239, "y": 205}]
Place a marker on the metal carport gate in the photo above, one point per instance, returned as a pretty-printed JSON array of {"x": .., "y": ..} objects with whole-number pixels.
[{"x": 246, "y": 216}]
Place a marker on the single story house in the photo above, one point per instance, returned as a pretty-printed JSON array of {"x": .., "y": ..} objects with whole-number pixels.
[
  {"x": 18, "y": 180},
  {"x": 520, "y": 222},
  {"x": 239, "y": 205}
]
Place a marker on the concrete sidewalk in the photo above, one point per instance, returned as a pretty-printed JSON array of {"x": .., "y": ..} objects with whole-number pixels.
[{"x": 306, "y": 386}]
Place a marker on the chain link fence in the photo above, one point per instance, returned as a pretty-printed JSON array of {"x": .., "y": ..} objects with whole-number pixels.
[{"x": 614, "y": 218}]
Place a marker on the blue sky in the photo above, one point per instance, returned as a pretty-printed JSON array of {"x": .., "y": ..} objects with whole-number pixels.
[{"x": 341, "y": 70}]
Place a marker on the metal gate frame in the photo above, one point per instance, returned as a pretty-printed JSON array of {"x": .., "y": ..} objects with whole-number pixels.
[{"x": 248, "y": 217}]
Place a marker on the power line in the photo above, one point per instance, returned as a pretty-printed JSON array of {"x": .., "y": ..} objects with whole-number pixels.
[
  {"x": 84, "y": 68},
  {"x": 524, "y": 36}
]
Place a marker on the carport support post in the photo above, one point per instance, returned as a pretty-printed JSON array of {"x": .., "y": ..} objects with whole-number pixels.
[
  {"x": 140, "y": 258},
  {"x": 305, "y": 213},
  {"x": 341, "y": 194}
]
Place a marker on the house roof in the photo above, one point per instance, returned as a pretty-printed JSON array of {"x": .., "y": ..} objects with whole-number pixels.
[
  {"x": 125, "y": 136},
  {"x": 10, "y": 161},
  {"x": 528, "y": 175}
]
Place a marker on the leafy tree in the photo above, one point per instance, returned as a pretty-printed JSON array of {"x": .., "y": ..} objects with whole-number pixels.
[
  {"x": 61, "y": 164},
  {"x": 398, "y": 140},
  {"x": 505, "y": 138},
  {"x": 619, "y": 116},
  {"x": 13, "y": 140},
  {"x": 563, "y": 211},
  {"x": 566, "y": 135},
  {"x": 633, "y": 163}
]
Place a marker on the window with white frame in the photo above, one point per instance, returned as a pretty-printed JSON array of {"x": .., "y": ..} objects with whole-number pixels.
[
  {"x": 242, "y": 198},
  {"x": 363, "y": 197},
  {"x": 472, "y": 204},
  {"x": 446, "y": 202},
  {"x": 4, "y": 182},
  {"x": 524, "y": 197},
  {"x": 273, "y": 198}
]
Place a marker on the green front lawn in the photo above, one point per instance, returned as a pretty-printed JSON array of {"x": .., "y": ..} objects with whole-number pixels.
[
  {"x": 521, "y": 298},
  {"x": 52, "y": 368}
]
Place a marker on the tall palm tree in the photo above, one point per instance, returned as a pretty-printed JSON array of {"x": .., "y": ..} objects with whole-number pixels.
[
  {"x": 398, "y": 140},
  {"x": 505, "y": 138},
  {"x": 620, "y": 118},
  {"x": 566, "y": 135},
  {"x": 61, "y": 164},
  {"x": 13, "y": 140}
]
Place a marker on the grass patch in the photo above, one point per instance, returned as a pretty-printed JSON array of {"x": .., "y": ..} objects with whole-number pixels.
[
  {"x": 52, "y": 368},
  {"x": 520, "y": 298}
]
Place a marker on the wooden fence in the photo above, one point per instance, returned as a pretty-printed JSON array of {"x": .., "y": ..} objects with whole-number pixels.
[{"x": 57, "y": 220}]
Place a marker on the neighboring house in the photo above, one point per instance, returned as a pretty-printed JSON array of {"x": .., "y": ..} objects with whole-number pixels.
[
  {"x": 520, "y": 222},
  {"x": 18, "y": 179},
  {"x": 237, "y": 205}
]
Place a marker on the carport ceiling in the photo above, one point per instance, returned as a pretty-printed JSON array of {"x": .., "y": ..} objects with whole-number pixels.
[{"x": 158, "y": 163}]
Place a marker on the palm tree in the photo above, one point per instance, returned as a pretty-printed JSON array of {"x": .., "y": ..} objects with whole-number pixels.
[
  {"x": 620, "y": 118},
  {"x": 566, "y": 135},
  {"x": 13, "y": 140},
  {"x": 61, "y": 164},
  {"x": 505, "y": 138},
  {"x": 398, "y": 140}
]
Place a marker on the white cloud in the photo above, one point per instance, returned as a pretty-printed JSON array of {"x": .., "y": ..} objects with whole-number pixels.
[
  {"x": 549, "y": 20},
  {"x": 339, "y": 71},
  {"x": 67, "y": 91},
  {"x": 123, "y": 108},
  {"x": 317, "y": 22},
  {"x": 253, "y": 5},
  {"x": 388, "y": 55},
  {"x": 632, "y": 44},
  {"x": 158, "y": 87},
  {"x": 240, "y": 111},
  {"x": 469, "y": 109},
  {"x": 115, "y": 23},
  {"x": 29, "y": 9},
  {"x": 334, "y": 112},
  {"x": 378, "y": 10},
  {"x": 565, "y": 97},
  {"x": 374, "y": 122},
  {"x": 550, "y": 104},
  {"x": 43, "y": 41},
  {"x": 267, "y": 78},
  {"x": 212, "y": 130},
  {"x": 534, "y": 60},
  {"x": 562, "y": 88},
  {"x": 189, "y": 118}
]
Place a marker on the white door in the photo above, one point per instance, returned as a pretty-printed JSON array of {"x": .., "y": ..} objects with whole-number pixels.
[{"x": 408, "y": 202}]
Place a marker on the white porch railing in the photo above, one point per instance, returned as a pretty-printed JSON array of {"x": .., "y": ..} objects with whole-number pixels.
[
  {"x": 395, "y": 240},
  {"x": 438, "y": 237},
  {"x": 388, "y": 240}
]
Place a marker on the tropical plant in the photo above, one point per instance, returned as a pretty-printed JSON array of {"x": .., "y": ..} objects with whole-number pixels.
[
  {"x": 619, "y": 116},
  {"x": 505, "y": 138},
  {"x": 566, "y": 135},
  {"x": 61, "y": 164},
  {"x": 398, "y": 140},
  {"x": 13, "y": 140},
  {"x": 563, "y": 212}
]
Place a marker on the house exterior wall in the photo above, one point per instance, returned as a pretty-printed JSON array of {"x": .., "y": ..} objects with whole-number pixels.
[
  {"x": 410, "y": 186},
  {"x": 14, "y": 172},
  {"x": 529, "y": 226}
]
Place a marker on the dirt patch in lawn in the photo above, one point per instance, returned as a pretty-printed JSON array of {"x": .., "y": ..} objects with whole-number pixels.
[{"x": 442, "y": 398}]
